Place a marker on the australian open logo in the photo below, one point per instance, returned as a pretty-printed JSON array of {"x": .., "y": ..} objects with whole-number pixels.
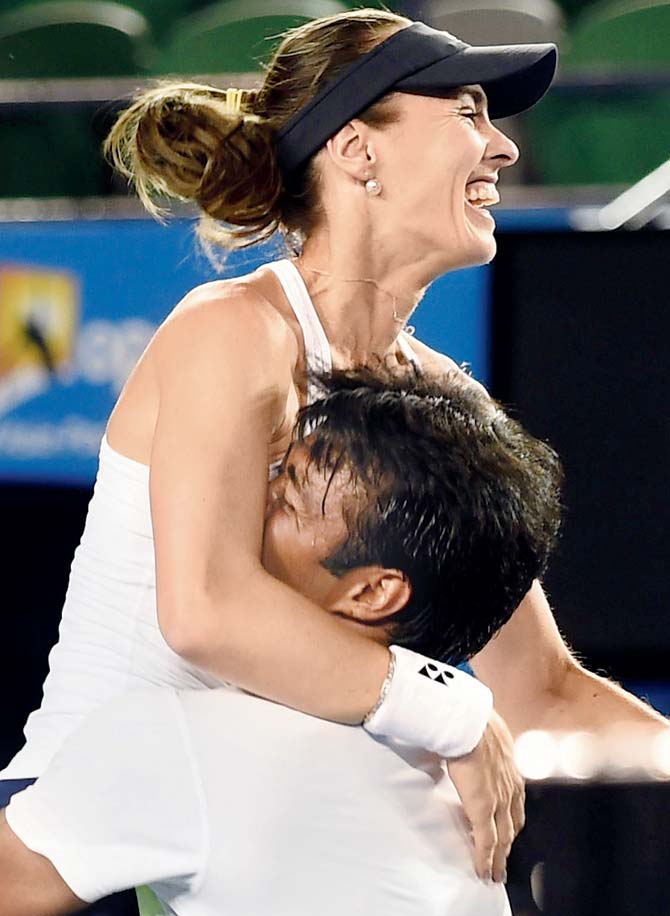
[
  {"x": 59, "y": 373},
  {"x": 39, "y": 316},
  {"x": 436, "y": 672}
]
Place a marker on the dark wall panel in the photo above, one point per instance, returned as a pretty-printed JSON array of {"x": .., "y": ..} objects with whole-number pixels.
[
  {"x": 41, "y": 528},
  {"x": 581, "y": 344}
]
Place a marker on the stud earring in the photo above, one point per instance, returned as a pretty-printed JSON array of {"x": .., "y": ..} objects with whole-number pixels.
[{"x": 373, "y": 187}]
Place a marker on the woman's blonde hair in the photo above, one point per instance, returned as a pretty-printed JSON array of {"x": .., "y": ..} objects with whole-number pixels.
[{"x": 197, "y": 143}]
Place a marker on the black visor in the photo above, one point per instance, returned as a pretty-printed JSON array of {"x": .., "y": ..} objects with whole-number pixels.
[{"x": 422, "y": 61}]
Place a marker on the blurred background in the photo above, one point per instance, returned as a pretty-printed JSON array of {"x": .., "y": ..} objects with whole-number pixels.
[{"x": 569, "y": 326}]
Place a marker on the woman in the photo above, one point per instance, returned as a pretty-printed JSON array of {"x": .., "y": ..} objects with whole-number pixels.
[{"x": 370, "y": 139}]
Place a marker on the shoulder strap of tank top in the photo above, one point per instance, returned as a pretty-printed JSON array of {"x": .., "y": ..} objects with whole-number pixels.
[{"x": 317, "y": 348}]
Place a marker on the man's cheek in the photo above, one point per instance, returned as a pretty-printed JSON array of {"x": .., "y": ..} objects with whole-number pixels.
[{"x": 274, "y": 548}]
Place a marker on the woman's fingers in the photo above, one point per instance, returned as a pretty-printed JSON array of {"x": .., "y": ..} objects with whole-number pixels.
[
  {"x": 492, "y": 793},
  {"x": 505, "y": 837},
  {"x": 485, "y": 839},
  {"x": 518, "y": 809}
]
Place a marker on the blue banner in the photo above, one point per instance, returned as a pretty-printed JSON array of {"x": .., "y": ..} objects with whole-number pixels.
[{"x": 79, "y": 302}]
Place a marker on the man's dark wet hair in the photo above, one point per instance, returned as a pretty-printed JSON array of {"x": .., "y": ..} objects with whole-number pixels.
[{"x": 457, "y": 496}]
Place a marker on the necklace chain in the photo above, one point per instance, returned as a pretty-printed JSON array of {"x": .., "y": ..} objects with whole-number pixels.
[{"x": 407, "y": 328}]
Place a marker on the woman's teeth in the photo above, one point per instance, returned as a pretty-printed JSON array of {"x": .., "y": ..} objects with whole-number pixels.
[{"x": 482, "y": 194}]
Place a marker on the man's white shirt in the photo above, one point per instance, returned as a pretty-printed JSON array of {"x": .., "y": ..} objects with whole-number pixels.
[{"x": 232, "y": 805}]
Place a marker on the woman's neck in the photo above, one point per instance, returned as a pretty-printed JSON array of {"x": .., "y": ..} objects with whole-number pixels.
[{"x": 363, "y": 297}]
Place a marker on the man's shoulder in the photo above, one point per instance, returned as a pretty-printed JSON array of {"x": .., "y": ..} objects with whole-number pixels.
[
  {"x": 138, "y": 702},
  {"x": 135, "y": 723},
  {"x": 230, "y": 719},
  {"x": 231, "y": 704},
  {"x": 434, "y": 362}
]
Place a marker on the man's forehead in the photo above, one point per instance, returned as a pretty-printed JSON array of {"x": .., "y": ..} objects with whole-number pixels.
[
  {"x": 304, "y": 472},
  {"x": 317, "y": 480}
]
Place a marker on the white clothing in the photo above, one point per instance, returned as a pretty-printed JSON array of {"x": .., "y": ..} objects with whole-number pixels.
[
  {"x": 109, "y": 638},
  {"x": 229, "y": 805},
  {"x": 317, "y": 348}
]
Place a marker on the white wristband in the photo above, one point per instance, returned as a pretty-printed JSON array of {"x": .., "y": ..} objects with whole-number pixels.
[{"x": 431, "y": 705}]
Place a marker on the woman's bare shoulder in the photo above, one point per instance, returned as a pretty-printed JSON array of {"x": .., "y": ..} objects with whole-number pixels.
[
  {"x": 238, "y": 308},
  {"x": 223, "y": 297}
]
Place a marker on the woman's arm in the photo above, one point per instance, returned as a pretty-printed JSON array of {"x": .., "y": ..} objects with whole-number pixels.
[
  {"x": 224, "y": 373},
  {"x": 535, "y": 679},
  {"x": 537, "y": 682}
]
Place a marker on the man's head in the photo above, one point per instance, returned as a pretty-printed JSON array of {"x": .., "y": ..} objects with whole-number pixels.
[{"x": 413, "y": 508}]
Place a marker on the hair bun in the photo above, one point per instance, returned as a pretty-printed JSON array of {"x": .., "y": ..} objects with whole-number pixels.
[
  {"x": 217, "y": 147},
  {"x": 195, "y": 142}
]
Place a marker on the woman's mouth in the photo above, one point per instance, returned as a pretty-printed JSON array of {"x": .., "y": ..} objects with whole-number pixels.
[{"x": 481, "y": 194}]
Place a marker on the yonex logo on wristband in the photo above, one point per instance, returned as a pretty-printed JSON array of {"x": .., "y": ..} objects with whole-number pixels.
[{"x": 436, "y": 674}]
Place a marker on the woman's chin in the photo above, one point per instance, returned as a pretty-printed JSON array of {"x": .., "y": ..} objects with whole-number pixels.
[
  {"x": 490, "y": 251},
  {"x": 470, "y": 247},
  {"x": 480, "y": 251},
  {"x": 481, "y": 243}
]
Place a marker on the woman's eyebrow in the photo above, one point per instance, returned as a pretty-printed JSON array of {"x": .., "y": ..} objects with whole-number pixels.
[{"x": 478, "y": 95}]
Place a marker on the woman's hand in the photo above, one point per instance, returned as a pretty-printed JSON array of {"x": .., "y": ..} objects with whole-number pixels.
[{"x": 492, "y": 792}]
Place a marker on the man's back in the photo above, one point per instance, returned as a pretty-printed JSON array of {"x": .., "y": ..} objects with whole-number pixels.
[{"x": 236, "y": 806}]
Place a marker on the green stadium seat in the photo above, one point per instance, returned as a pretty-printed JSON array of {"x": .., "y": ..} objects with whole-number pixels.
[
  {"x": 574, "y": 8},
  {"x": 633, "y": 34},
  {"x": 490, "y": 22},
  {"x": 592, "y": 137},
  {"x": 67, "y": 38},
  {"x": 161, "y": 14},
  {"x": 50, "y": 154},
  {"x": 55, "y": 152},
  {"x": 235, "y": 36}
]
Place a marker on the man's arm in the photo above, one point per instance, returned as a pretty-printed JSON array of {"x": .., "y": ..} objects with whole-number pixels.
[
  {"x": 537, "y": 682},
  {"x": 29, "y": 883}
]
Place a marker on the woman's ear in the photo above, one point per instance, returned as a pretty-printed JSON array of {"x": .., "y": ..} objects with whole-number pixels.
[
  {"x": 370, "y": 594},
  {"x": 352, "y": 151}
]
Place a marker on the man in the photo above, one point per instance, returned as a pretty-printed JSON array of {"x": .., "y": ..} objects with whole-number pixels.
[{"x": 418, "y": 513}]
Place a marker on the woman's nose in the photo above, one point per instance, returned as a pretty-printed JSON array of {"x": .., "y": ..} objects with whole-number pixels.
[{"x": 501, "y": 148}]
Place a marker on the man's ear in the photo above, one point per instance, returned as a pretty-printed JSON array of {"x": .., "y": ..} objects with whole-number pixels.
[
  {"x": 351, "y": 149},
  {"x": 370, "y": 594}
]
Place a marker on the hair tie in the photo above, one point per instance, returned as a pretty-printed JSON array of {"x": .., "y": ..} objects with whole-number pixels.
[{"x": 233, "y": 102}]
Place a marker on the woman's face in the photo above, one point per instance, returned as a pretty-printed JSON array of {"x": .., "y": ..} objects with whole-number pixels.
[{"x": 438, "y": 166}]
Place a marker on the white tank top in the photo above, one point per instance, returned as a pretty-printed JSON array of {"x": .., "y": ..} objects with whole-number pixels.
[{"x": 109, "y": 639}]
